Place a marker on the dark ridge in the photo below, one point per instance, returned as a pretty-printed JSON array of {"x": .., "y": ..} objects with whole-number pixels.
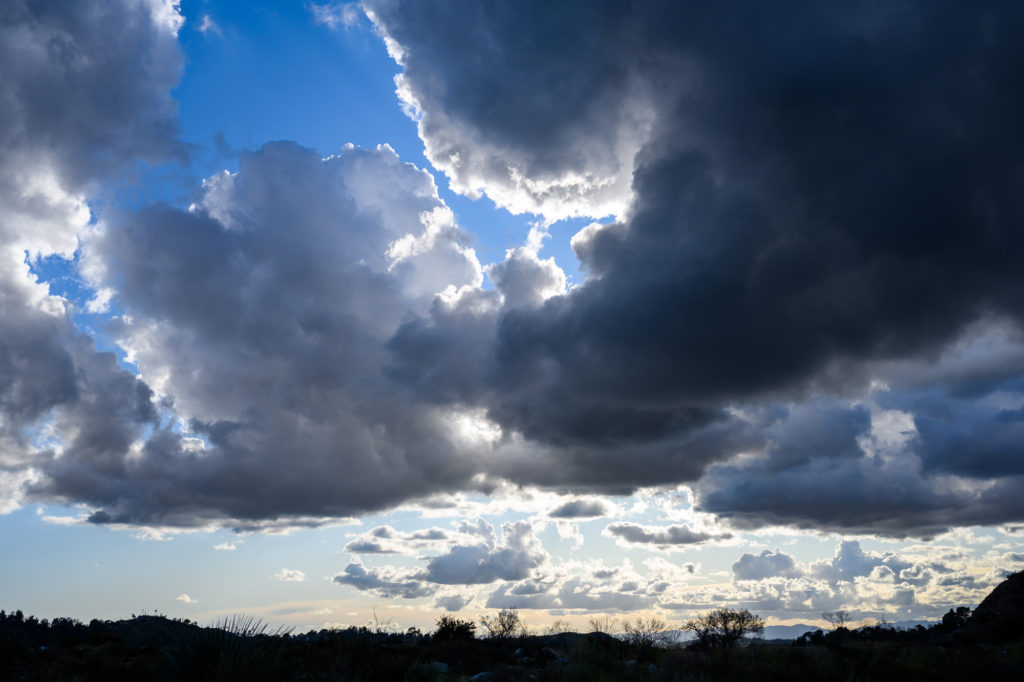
[{"x": 1000, "y": 616}]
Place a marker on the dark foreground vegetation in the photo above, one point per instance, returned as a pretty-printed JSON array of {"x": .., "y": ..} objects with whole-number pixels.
[
  {"x": 988, "y": 645},
  {"x": 158, "y": 648}
]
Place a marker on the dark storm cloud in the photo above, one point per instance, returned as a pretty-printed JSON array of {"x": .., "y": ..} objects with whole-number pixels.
[
  {"x": 78, "y": 393},
  {"x": 86, "y": 86},
  {"x": 989, "y": 444},
  {"x": 860, "y": 497},
  {"x": 543, "y": 115},
  {"x": 821, "y": 244},
  {"x": 37, "y": 343},
  {"x": 85, "y": 92},
  {"x": 894, "y": 476},
  {"x": 828, "y": 187}
]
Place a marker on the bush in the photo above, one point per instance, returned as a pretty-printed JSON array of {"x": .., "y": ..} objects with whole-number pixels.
[{"x": 451, "y": 628}]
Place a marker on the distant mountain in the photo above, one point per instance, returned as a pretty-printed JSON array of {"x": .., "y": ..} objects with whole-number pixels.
[
  {"x": 770, "y": 632},
  {"x": 794, "y": 631},
  {"x": 787, "y": 631}
]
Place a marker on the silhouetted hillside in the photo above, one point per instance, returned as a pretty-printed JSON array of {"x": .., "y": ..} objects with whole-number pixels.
[
  {"x": 987, "y": 646},
  {"x": 1000, "y": 616}
]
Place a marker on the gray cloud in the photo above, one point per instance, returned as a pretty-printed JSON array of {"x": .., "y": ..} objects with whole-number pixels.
[
  {"x": 480, "y": 559},
  {"x": 262, "y": 314},
  {"x": 382, "y": 583},
  {"x": 452, "y": 602},
  {"x": 667, "y": 536},
  {"x": 579, "y": 509},
  {"x": 367, "y": 547},
  {"x": 515, "y": 559},
  {"x": 573, "y": 594},
  {"x": 878, "y": 481},
  {"x": 386, "y": 540},
  {"x": 767, "y": 564},
  {"x": 524, "y": 279}
]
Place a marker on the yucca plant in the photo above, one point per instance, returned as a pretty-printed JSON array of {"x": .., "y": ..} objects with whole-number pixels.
[{"x": 237, "y": 648}]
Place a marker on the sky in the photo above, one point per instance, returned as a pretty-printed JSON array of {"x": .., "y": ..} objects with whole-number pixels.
[{"x": 363, "y": 313}]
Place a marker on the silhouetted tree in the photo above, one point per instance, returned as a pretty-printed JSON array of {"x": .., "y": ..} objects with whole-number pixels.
[
  {"x": 504, "y": 625},
  {"x": 603, "y": 624},
  {"x": 956, "y": 619},
  {"x": 837, "y": 619},
  {"x": 811, "y": 638},
  {"x": 646, "y": 633},
  {"x": 558, "y": 627},
  {"x": 724, "y": 627},
  {"x": 450, "y": 627}
]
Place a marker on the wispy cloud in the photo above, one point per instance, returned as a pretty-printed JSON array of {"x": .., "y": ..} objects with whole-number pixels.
[
  {"x": 207, "y": 25},
  {"x": 335, "y": 15}
]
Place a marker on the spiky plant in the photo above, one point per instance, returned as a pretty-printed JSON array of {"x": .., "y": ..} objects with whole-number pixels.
[{"x": 239, "y": 647}]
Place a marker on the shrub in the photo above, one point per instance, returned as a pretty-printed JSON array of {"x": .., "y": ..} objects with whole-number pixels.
[{"x": 452, "y": 628}]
